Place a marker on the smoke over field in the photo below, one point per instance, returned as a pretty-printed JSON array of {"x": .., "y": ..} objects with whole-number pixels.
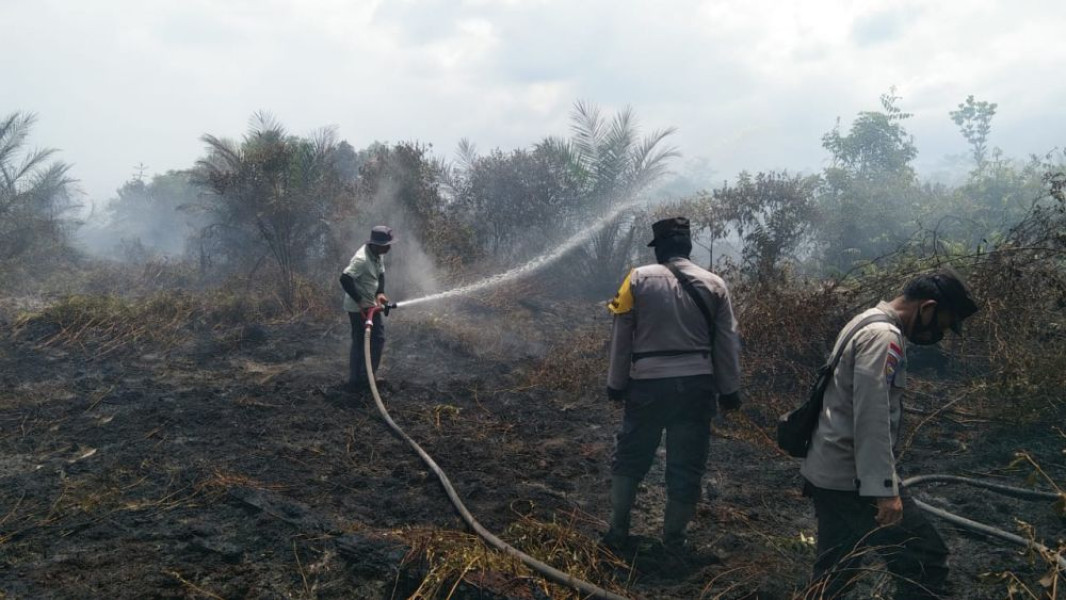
[{"x": 176, "y": 420}]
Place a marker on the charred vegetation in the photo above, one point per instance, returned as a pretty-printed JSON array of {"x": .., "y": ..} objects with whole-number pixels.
[{"x": 174, "y": 424}]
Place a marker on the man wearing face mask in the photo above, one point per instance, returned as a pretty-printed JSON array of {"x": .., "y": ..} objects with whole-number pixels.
[
  {"x": 850, "y": 468},
  {"x": 363, "y": 281}
]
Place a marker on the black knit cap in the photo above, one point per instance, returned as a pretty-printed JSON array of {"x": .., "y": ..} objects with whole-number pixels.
[{"x": 670, "y": 228}]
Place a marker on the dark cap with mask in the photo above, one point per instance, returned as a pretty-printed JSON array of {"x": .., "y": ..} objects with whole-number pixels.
[{"x": 666, "y": 229}]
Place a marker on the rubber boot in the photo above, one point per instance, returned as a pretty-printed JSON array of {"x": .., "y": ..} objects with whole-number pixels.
[
  {"x": 623, "y": 494},
  {"x": 675, "y": 520}
]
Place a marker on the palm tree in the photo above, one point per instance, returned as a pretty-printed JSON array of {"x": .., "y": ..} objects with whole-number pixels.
[
  {"x": 274, "y": 194},
  {"x": 34, "y": 193},
  {"x": 612, "y": 165},
  {"x": 618, "y": 163}
]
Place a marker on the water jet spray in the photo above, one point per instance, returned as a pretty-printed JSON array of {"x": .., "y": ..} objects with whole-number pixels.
[{"x": 532, "y": 266}]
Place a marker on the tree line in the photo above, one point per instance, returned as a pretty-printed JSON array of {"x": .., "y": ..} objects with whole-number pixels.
[{"x": 290, "y": 208}]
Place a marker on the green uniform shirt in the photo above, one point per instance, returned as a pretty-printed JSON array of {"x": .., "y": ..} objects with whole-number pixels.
[{"x": 366, "y": 268}]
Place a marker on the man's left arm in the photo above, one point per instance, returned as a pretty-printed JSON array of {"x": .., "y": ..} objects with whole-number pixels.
[
  {"x": 379, "y": 295},
  {"x": 725, "y": 351}
]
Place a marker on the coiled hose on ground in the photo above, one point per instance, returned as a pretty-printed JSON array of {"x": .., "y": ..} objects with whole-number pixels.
[
  {"x": 553, "y": 574},
  {"x": 549, "y": 572}
]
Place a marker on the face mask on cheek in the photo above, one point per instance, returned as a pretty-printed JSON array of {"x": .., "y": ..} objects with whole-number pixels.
[{"x": 927, "y": 335}]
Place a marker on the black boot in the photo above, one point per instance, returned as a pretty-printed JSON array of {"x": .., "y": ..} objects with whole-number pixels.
[
  {"x": 623, "y": 493},
  {"x": 675, "y": 520},
  {"x": 676, "y": 560},
  {"x": 681, "y": 555}
]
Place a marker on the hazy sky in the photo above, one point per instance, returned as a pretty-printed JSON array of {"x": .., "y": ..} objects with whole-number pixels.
[{"x": 749, "y": 83}]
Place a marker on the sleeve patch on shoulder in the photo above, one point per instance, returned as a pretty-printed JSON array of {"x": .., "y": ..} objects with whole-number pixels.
[
  {"x": 892, "y": 361},
  {"x": 623, "y": 300}
]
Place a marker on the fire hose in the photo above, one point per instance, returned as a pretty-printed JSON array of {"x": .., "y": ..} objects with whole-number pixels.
[
  {"x": 549, "y": 572},
  {"x": 981, "y": 528},
  {"x": 593, "y": 591}
]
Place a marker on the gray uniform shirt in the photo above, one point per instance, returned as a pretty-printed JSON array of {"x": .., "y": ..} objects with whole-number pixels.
[
  {"x": 653, "y": 313},
  {"x": 853, "y": 446}
]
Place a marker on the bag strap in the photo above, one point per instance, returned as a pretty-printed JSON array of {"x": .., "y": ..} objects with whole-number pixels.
[
  {"x": 688, "y": 286},
  {"x": 880, "y": 317}
]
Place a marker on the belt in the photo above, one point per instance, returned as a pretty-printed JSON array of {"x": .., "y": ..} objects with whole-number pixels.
[{"x": 639, "y": 355}]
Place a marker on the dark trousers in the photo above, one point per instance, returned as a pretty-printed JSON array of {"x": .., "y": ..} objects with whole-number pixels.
[
  {"x": 356, "y": 357},
  {"x": 913, "y": 550},
  {"x": 683, "y": 406}
]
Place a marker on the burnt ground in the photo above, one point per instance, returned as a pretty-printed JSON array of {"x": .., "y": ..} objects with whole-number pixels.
[{"x": 234, "y": 465}]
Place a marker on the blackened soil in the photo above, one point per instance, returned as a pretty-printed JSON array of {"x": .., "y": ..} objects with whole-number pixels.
[{"x": 238, "y": 467}]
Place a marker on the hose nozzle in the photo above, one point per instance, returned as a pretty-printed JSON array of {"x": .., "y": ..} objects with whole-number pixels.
[{"x": 384, "y": 309}]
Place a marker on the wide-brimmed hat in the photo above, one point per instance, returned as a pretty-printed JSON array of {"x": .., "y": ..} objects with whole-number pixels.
[
  {"x": 670, "y": 228},
  {"x": 381, "y": 235}
]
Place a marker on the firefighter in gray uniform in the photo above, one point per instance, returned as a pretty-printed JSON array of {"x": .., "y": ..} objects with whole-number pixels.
[
  {"x": 670, "y": 359},
  {"x": 850, "y": 468}
]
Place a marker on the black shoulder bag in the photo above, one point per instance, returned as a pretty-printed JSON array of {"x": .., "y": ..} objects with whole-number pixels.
[{"x": 795, "y": 428}]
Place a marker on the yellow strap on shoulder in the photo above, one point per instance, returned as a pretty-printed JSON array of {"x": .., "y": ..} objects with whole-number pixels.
[{"x": 623, "y": 300}]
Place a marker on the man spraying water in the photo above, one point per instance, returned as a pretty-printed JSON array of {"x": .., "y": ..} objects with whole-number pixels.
[{"x": 364, "y": 285}]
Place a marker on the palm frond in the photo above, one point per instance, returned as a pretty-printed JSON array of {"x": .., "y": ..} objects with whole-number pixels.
[
  {"x": 223, "y": 154},
  {"x": 466, "y": 154},
  {"x": 614, "y": 154},
  {"x": 623, "y": 129},
  {"x": 52, "y": 179},
  {"x": 264, "y": 125},
  {"x": 558, "y": 147},
  {"x": 649, "y": 159},
  {"x": 33, "y": 161},
  {"x": 14, "y": 130},
  {"x": 587, "y": 129}
]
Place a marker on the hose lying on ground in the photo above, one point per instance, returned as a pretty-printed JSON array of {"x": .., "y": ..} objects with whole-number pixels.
[
  {"x": 593, "y": 591},
  {"x": 981, "y": 528},
  {"x": 549, "y": 572}
]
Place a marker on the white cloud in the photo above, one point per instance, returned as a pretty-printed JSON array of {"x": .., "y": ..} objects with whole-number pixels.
[{"x": 750, "y": 83}]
